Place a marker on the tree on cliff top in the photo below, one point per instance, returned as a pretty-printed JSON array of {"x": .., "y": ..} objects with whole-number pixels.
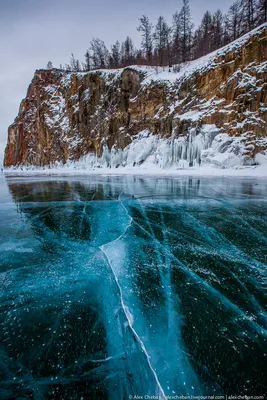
[
  {"x": 186, "y": 30},
  {"x": 178, "y": 44},
  {"x": 145, "y": 28},
  {"x": 115, "y": 57},
  {"x": 49, "y": 65},
  {"x": 262, "y": 11},
  {"x": 162, "y": 41},
  {"x": 74, "y": 64},
  {"x": 234, "y": 20},
  {"x": 87, "y": 63},
  {"x": 100, "y": 53},
  {"x": 248, "y": 10}
]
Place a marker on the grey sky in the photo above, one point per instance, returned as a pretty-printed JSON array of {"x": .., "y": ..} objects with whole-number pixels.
[{"x": 32, "y": 32}]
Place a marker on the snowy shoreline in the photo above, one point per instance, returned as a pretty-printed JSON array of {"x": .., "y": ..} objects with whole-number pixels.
[
  {"x": 202, "y": 154},
  {"x": 250, "y": 171}
]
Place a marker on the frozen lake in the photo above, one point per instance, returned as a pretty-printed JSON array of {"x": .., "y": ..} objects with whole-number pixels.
[{"x": 114, "y": 287}]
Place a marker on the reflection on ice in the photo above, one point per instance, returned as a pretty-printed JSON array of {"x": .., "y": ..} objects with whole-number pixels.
[{"x": 120, "y": 286}]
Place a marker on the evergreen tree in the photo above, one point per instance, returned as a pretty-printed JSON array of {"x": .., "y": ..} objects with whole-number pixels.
[
  {"x": 167, "y": 56},
  {"x": 145, "y": 28},
  {"x": 74, "y": 64},
  {"x": 176, "y": 38},
  {"x": 100, "y": 54},
  {"x": 218, "y": 30},
  {"x": 186, "y": 30},
  {"x": 139, "y": 57},
  {"x": 176, "y": 44},
  {"x": 197, "y": 51},
  {"x": 87, "y": 63},
  {"x": 226, "y": 38},
  {"x": 248, "y": 10},
  {"x": 234, "y": 20},
  {"x": 203, "y": 36},
  {"x": 128, "y": 51},
  {"x": 49, "y": 65},
  {"x": 162, "y": 41},
  {"x": 115, "y": 58},
  {"x": 262, "y": 13}
]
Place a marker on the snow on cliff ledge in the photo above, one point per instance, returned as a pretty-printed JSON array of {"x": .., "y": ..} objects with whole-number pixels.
[{"x": 212, "y": 112}]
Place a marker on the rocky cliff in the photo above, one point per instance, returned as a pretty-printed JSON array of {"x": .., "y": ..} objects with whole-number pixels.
[{"x": 212, "y": 110}]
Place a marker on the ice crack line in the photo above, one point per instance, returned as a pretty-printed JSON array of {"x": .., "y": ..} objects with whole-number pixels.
[
  {"x": 197, "y": 278},
  {"x": 125, "y": 309},
  {"x": 128, "y": 317}
]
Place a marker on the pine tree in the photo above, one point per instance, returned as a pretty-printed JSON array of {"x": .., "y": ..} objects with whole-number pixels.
[
  {"x": 115, "y": 58},
  {"x": 203, "y": 36},
  {"x": 217, "y": 27},
  {"x": 128, "y": 49},
  {"x": 145, "y": 28},
  {"x": 176, "y": 38},
  {"x": 139, "y": 57},
  {"x": 162, "y": 41},
  {"x": 234, "y": 20},
  {"x": 158, "y": 39},
  {"x": 186, "y": 30},
  {"x": 74, "y": 64},
  {"x": 248, "y": 10},
  {"x": 49, "y": 65},
  {"x": 87, "y": 63},
  {"x": 167, "y": 57},
  {"x": 226, "y": 36},
  {"x": 100, "y": 54},
  {"x": 196, "y": 44},
  {"x": 176, "y": 44},
  {"x": 262, "y": 16},
  {"x": 78, "y": 66}
]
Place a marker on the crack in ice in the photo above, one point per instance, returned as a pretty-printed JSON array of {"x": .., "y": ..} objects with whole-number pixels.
[
  {"x": 221, "y": 252},
  {"x": 125, "y": 308},
  {"x": 196, "y": 277}
]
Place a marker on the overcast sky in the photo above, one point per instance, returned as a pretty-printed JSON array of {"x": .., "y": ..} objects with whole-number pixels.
[{"x": 32, "y": 32}]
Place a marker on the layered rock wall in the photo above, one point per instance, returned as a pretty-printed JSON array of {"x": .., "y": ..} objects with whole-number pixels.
[{"x": 68, "y": 115}]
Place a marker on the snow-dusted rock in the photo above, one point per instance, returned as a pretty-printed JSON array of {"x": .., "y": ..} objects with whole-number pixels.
[{"x": 214, "y": 111}]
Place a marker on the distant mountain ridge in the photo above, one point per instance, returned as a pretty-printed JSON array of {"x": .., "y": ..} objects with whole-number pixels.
[{"x": 214, "y": 111}]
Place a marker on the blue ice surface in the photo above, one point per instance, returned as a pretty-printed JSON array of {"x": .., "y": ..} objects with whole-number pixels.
[{"x": 132, "y": 286}]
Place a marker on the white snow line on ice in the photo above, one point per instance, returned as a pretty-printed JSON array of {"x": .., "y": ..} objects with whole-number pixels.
[
  {"x": 153, "y": 171},
  {"x": 125, "y": 308}
]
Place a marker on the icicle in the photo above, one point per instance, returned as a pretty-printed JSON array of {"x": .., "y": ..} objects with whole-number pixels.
[{"x": 106, "y": 157}]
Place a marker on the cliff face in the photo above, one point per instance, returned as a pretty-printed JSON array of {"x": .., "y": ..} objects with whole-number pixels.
[{"x": 217, "y": 104}]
